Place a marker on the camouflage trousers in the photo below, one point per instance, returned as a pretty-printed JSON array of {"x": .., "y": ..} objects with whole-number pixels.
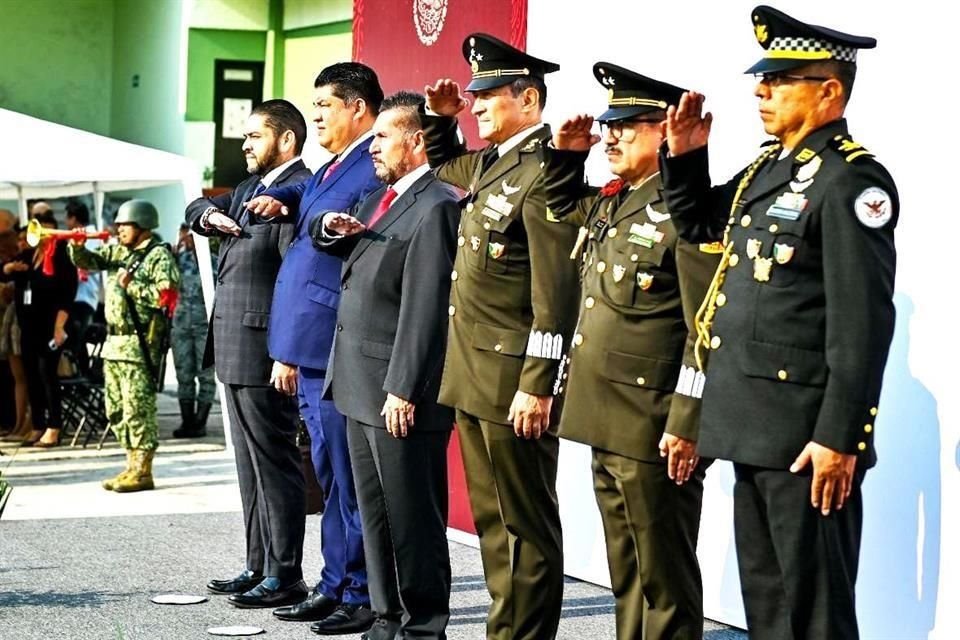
[
  {"x": 187, "y": 344},
  {"x": 131, "y": 402}
]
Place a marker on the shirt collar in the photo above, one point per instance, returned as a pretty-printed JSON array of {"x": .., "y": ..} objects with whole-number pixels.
[
  {"x": 517, "y": 138},
  {"x": 364, "y": 137},
  {"x": 407, "y": 181},
  {"x": 274, "y": 173}
]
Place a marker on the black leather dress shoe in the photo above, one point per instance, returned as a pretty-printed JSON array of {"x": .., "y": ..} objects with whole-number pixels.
[
  {"x": 241, "y": 584},
  {"x": 316, "y": 607},
  {"x": 348, "y": 618},
  {"x": 382, "y": 629},
  {"x": 260, "y": 597}
]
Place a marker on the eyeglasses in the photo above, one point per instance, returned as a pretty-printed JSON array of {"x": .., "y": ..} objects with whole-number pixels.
[
  {"x": 623, "y": 129},
  {"x": 776, "y": 78}
]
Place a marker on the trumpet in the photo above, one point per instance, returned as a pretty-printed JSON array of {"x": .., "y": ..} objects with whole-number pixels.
[{"x": 37, "y": 232}]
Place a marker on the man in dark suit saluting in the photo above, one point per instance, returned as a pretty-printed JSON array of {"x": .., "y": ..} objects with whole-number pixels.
[
  {"x": 262, "y": 420},
  {"x": 385, "y": 370}
]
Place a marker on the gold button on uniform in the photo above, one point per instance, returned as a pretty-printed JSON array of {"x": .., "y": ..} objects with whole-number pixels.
[
  {"x": 734, "y": 260},
  {"x": 452, "y": 310},
  {"x": 731, "y": 220},
  {"x": 782, "y": 374},
  {"x": 601, "y": 266},
  {"x": 868, "y": 428},
  {"x": 454, "y": 275},
  {"x": 634, "y": 257},
  {"x": 873, "y": 411},
  {"x": 715, "y": 342},
  {"x": 461, "y": 241},
  {"x": 498, "y": 347},
  {"x": 578, "y": 339},
  {"x": 486, "y": 225},
  {"x": 862, "y": 446},
  {"x": 612, "y": 232},
  {"x": 469, "y": 207},
  {"x": 774, "y": 228},
  {"x": 589, "y": 302},
  {"x": 641, "y": 381},
  {"x": 721, "y": 299},
  {"x": 745, "y": 220}
]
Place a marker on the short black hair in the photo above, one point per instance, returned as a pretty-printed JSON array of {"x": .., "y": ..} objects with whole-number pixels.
[
  {"x": 517, "y": 87},
  {"x": 351, "y": 81},
  {"x": 78, "y": 211},
  {"x": 281, "y": 116},
  {"x": 408, "y": 103},
  {"x": 47, "y": 218}
]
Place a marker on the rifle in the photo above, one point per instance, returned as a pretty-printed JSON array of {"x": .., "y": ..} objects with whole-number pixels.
[{"x": 156, "y": 372}]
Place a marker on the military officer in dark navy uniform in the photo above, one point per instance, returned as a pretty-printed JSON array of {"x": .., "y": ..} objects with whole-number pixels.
[
  {"x": 797, "y": 323},
  {"x": 632, "y": 391},
  {"x": 511, "y": 314}
]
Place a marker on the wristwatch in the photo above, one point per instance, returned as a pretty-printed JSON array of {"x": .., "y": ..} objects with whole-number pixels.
[{"x": 205, "y": 216}]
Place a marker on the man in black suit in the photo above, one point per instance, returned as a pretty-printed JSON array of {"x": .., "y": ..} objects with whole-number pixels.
[
  {"x": 263, "y": 421},
  {"x": 386, "y": 364}
]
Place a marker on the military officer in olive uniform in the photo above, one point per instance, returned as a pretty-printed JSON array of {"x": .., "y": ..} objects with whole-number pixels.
[
  {"x": 631, "y": 391},
  {"x": 511, "y": 311},
  {"x": 798, "y": 323},
  {"x": 141, "y": 292}
]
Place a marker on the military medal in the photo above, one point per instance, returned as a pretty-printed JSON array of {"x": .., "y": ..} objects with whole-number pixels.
[
  {"x": 499, "y": 204},
  {"x": 644, "y": 235},
  {"x": 474, "y": 243},
  {"x": 762, "y": 268},
  {"x": 753, "y": 247},
  {"x": 645, "y": 281},
  {"x": 788, "y": 206},
  {"x": 618, "y": 272},
  {"x": 782, "y": 253},
  {"x": 806, "y": 172},
  {"x": 495, "y": 249}
]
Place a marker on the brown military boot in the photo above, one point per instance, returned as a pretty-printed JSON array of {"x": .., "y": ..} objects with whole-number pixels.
[
  {"x": 141, "y": 477},
  {"x": 111, "y": 483}
]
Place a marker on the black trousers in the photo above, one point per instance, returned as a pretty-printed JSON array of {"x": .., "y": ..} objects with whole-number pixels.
[
  {"x": 402, "y": 493},
  {"x": 43, "y": 384},
  {"x": 81, "y": 315},
  {"x": 263, "y": 424},
  {"x": 798, "y": 568}
]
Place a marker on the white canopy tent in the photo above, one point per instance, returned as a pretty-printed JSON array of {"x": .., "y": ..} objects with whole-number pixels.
[{"x": 48, "y": 160}]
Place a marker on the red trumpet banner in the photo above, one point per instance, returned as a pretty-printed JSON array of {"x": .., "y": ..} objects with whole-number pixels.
[{"x": 412, "y": 43}]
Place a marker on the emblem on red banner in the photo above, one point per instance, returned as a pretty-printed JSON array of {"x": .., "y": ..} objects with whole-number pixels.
[{"x": 428, "y": 17}]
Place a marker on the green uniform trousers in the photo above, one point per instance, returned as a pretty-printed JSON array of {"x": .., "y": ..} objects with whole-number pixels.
[
  {"x": 131, "y": 403},
  {"x": 651, "y": 527},
  {"x": 513, "y": 497}
]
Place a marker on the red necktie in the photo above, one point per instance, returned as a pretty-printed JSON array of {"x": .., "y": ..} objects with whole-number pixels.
[
  {"x": 330, "y": 169},
  {"x": 388, "y": 197}
]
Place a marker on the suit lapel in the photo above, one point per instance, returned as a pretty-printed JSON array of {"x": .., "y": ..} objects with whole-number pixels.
[
  {"x": 638, "y": 199},
  {"x": 228, "y": 241},
  {"x": 325, "y": 185}
]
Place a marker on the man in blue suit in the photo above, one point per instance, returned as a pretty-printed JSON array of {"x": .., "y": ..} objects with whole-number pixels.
[{"x": 303, "y": 320}]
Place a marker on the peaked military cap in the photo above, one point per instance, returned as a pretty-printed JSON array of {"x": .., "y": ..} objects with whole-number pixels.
[
  {"x": 790, "y": 43},
  {"x": 495, "y": 63},
  {"x": 630, "y": 94}
]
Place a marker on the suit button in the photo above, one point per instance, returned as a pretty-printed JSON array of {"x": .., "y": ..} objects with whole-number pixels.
[
  {"x": 498, "y": 347},
  {"x": 641, "y": 381},
  {"x": 862, "y": 446},
  {"x": 339, "y": 327},
  {"x": 721, "y": 299},
  {"x": 868, "y": 428},
  {"x": 451, "y": 311},
  {"x": 461, "y": 241},
  {"x": 715, "y": 342},
  {"x": 345, "y": 286},
  {"x": 454, "y": 275},
  {"x": 589, "y": 302},
  {"x": 745, "y": 220},
  {"x": 578, "y": 339},
  {"x": 782, "y": 374},
  {"x": 731, "y": 220},
  {"x": 560, "y": 390},
  {"x": 612, "y": 232},
  {"x": 566, "y": 375},
  {"x": 734, "y": 260}
]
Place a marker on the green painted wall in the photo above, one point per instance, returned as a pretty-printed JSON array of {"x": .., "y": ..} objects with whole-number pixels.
[
  {"x": 207, "y": 45},
  {"x": 55, "y": 59}
]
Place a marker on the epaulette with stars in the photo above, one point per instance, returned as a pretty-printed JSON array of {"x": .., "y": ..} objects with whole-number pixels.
[{"x": 849, "y": 149}]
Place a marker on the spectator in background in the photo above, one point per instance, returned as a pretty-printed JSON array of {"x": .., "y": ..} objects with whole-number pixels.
[
  {"x": 89, "y": 289},
  {"x": 40, "y": 208},
  {"x": 8, "y": 249},
  {"x": 188, "y": 341},
  {"x": 46, "y": 283},
  {"x": 10, "y": 341}
]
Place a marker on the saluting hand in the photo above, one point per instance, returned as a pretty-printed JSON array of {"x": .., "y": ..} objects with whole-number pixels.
[
  {"x": 574, "y": 134},
  {"x": 530, "y": 414},
  {"x": 687, "y": 127},
  {"x": 681, "y": 455},
  {"x": 266, "y": 207},
  {"x": 342, "y": 224},
  {"x": 832, "y": 475},
  {"x": 444, "y": 98},
  {"x": 398, "y": 415}
]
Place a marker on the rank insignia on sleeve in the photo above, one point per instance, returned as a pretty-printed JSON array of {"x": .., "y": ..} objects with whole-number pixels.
[
  {"x": 873, "y": 207},
  {"x": 711, "y": 247}
]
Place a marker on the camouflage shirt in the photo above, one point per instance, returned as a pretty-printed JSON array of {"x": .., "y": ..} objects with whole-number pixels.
[
  {"x": 157, "y": 274},
  {"x": 190, "y": 308}
]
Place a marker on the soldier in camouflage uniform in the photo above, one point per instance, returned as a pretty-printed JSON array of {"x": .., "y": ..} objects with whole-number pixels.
[
  {"x": 143, "y": 270},
  {"x": 188, "y": 340}
]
